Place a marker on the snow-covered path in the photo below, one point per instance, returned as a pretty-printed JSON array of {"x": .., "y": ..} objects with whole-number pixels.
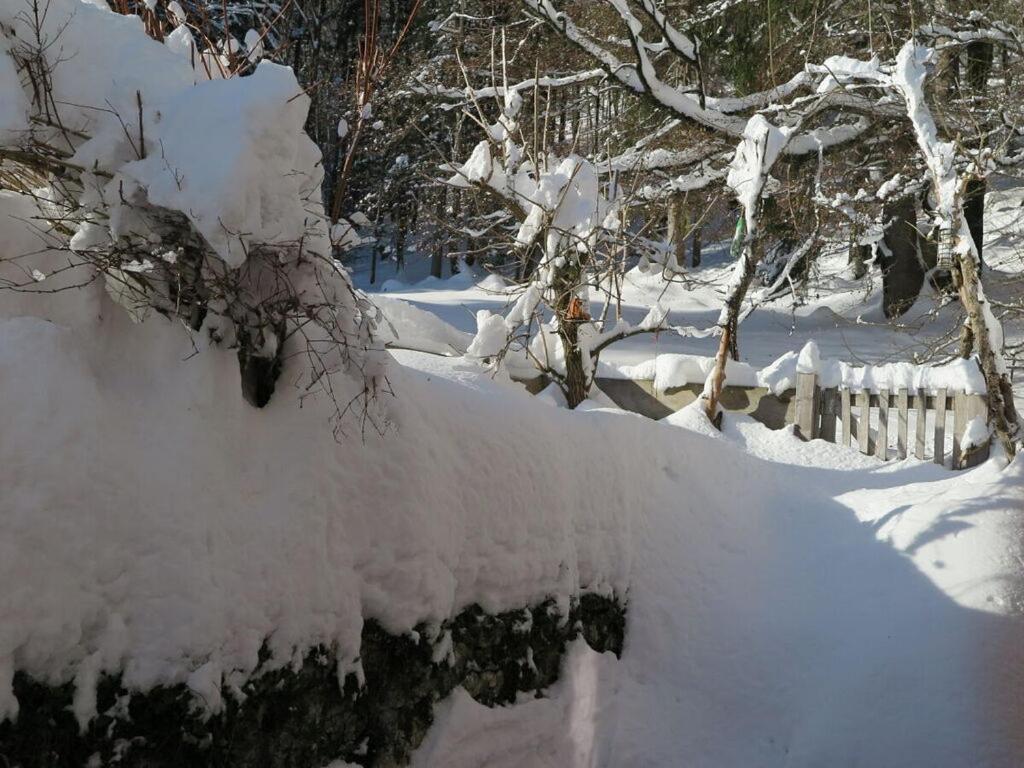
[{"x": 790, "y": 613}]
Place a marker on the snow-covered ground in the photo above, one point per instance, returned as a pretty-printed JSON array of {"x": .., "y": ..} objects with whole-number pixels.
[
  {"x": 790, "y": 603},
  {"x": 844, "y": 317}
]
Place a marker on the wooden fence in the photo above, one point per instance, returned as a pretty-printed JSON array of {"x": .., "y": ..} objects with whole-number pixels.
[{"x": 866, "y": 420}]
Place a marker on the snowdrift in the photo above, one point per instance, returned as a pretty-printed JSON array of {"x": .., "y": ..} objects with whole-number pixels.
[{"x": 784, "y": 608}]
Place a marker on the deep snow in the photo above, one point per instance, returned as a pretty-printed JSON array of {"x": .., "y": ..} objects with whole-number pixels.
[{"x": 790, "y": 603}]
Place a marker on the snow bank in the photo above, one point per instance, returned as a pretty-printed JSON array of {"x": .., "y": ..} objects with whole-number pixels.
[
  {"x": 155, "y": 523},
  {"x": 787, "y": 611},
  {"x": 152, "y": 522},
  {"x": 170, "y": 184},
  {"x": 413, "y": 328},
  {"x": 230, "y": 155},
  {"x": 252, "y": 172}
]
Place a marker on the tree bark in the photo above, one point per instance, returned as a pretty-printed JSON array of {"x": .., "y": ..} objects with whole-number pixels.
[
  {"x": 677, "y": 229},
  {"x": 903, "y": 274},
  {"x": 1002, "y": 413},
  {"x": 576, "y": 385},
  {"x": 727, "y": 346},
  {"x": 570, "y": 313},
  {"x": 974, "y": 212}
]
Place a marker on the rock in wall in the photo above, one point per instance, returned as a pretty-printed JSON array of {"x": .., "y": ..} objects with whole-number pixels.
[{"x": 300, "y": 716}]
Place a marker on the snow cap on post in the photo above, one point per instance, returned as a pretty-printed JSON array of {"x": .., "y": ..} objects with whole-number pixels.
[{"x": 809, "y": 360}]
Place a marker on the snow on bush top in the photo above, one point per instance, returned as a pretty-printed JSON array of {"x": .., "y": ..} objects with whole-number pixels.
[
  {"x": 231, "y": 155},
  {"x": 234, "y": 157}
]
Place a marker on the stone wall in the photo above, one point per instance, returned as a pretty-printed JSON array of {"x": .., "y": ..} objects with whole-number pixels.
[{"x": 301, "y": 717}]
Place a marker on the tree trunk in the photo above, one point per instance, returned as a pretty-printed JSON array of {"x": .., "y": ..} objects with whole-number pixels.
[
  {"x": 575, "y": 388},
  {"x": 858, "y": 259},
  {"x": 695, "y": 261},
  {"x": 903, "y": 274},
  {"x": 1002, "y": 413},
  {"x": 400, "y": 235},
  {"x": 436, "y": 260},
  {"x": 453, "y": 196},
  {"x": 974, "y": 212},
  {"x": 980, "y": 59},
  {"x": 966, "y": 341},
  {"x": 980, "y": 55},
  {"x": 729, "y": 323},
  {"x": 677, "y": 229}
]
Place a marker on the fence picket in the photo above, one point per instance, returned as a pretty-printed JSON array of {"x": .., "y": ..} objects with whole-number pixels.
[
  {"x": 829, "y": 397},
  {"x": 807, "y": 405},
  {"x": 976, "y": 407},
  {"x": 939, "y": 451},
  {"x": 882, "y": 442},
  {"x": 847, "y": 431},
  {"x": 922, "y": 421},
  {"x": 864, "y": 421},
  {"x": 903, "y": 405},
  {"x": 959, "y": 425}
]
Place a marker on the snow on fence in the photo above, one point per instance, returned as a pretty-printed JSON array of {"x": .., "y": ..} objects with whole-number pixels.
[
  {"x": 893, "y": 410},
  {"x": 895, "y": 424}
]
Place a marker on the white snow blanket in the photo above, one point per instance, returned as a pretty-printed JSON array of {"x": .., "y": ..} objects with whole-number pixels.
[{"x": 791, "y": 604}]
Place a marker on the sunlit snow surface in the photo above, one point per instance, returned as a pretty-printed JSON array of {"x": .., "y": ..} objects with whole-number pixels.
[{"x": 790, "y": 603}]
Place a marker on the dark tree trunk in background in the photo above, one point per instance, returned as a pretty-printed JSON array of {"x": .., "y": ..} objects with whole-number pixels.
[
  {"x": 696, "y": 247},
  {"x": 401, "y": 233},
  {"x": 902, "y": 270},
  {"x": 858, "y": 260},
  {"x": 974, "y": 212},
  {"x": 858, "y": 255},
  {"x": 979, "y": 65},
  {"x": 436, "y": 259},
  {"x": 677, "y": 230},
  {"x": 980, "y": 60}
]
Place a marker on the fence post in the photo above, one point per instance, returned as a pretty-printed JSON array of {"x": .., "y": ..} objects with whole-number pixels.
[
  {"x": 807, "y": 403},
  {"x": 977, "y": 406}
]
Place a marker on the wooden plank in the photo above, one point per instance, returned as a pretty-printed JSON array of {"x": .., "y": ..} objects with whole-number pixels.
[
  {"x": 882, "y": 443},
  {"x": 939, "y": 451},
  {"x": 903, "y": 411},
  {"x": 864, "y": 421},
  {"x": 829, "y": 399},
  {"x": 982, "y": 406},
  {"x": 807, "y": 406},
  {"x": 845, "y": 416},
  {"x": 959, "y": 425},
  {"x": 922, "y": 416}
]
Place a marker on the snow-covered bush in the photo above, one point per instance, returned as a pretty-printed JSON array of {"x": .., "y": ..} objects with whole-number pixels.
[
  {"x": 185, "y": 193},
  {"x": 571, "y": 238}
]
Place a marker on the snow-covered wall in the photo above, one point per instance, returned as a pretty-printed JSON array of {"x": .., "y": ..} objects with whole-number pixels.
[
  {"x": 156, "y": 531},
  {"x": 151, "y": 518}
]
